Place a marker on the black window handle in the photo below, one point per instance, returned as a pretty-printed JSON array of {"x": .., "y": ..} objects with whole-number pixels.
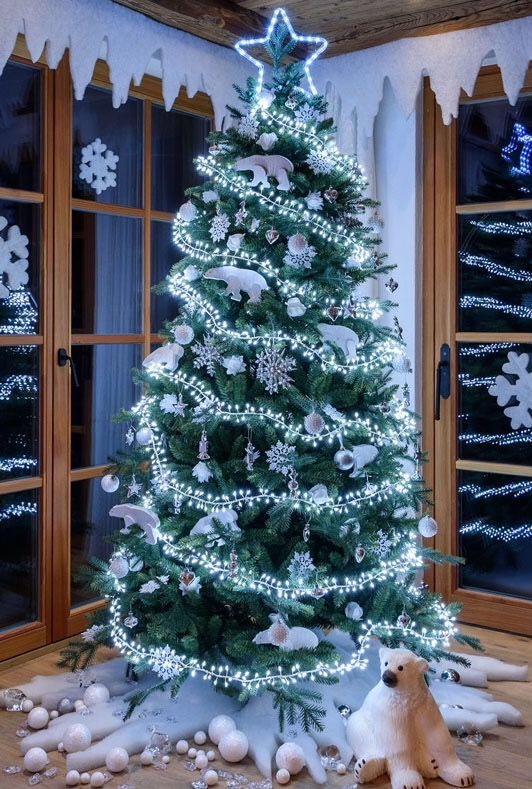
[
  {"x": 443, "y": 378},
  {"x": 63, "y": 359}
]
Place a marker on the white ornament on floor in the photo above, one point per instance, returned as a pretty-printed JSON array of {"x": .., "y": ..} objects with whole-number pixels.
[
  {"x": 200, "y": 738},
  {"x": 85, "y": 778},
  {"x": 201, "y": 761},
  {"x": 72, "y": 778},
  {"x": 27, "y": 705},
  {"x": 219, "y": 726},
  {"x": 291, "y": 757},
  {"x": 96, "y": 694},
  {"x": 117, "y": 760},
  {"x": 146, "y": 758},
  {"x": 211, "y": 777},
  {"x": 97, "y": 779},
  {"x": 239, "y": 280},
  {"x": 77, "y": 738},
  {"x": 13, "y": 259},
  {"x": 38, "y": 718},
  {"x": 110, "y": 483},
  {"x": 519, "y": 387},
  {"x": 181, "y": 747},
  {"x": 35, "y": 760},
  {"x": 282, "y": 776},
  {"x": 98, "y": 165},
  {"x": 233, "y": 746}
]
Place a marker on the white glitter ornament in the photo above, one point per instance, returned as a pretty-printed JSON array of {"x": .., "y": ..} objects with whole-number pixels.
[
  {"x": 234, "y": 241},
  {"x": 110, "y": 483},
  {"x": 97, "y": 779},
  {"x": 354, "y": 611},
  {"x": 96, "y": 694},
  {"x": 116, "y": 760},
  {"x": 291, "y": 757},
  {"x": 146, "y": 758},
  {"x": 183, "y": 334},
  {"x": 118, "y": 566},
  {"x": 35, "y": 760},
  {"x": 181, "y": 747},
  {"x": 344, "y": 459},
  {"x": 188, "y": 211},
  {"x": 282, "y": 776},
  {"x": 191, "y": 273},
  {"x": 77, "y": 738},
  {"x": 72, "y": 778},
  {"x": 427, "y": 526},
  {"x": 233, "y": 746},
  {"x": 297, "y": 244},
  {"x": 295, "y": 307},
  {"x": 219, "y": 726},
  {"x": 267, "y": 140},
  {"x": 219, "y": 227},
  {"x": 144, "y": 436},
  {"x": 38, "y": 718},
  {"x": 314, "y": 423}
]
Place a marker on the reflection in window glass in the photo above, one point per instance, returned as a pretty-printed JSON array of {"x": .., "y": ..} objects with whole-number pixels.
[
  {"x": 105, "y": 388},
  {"x": 19, "y": 411},
  {"x": 107, "y": 278},
  {"x": 164, "y": 254},
  {"x": 495, "y": 532},
  {"x": 20, "y": 127},
  {"x": 20, "y": 226},
  {"x": 494, "y": 152},
  {"x": 19, "y": 558}
]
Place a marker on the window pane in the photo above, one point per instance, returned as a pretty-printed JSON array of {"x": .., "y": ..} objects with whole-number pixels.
[
  {"x": 20, "y": 127},
  {"x": 176, "y": 139},
  {"x": 495, "y": 531},
  {"x": 164, "y": 254},
  {"x": 19, "y": 558},
  {"x": 19, "y": 411},
  {"x": 107, "y": 278},
  {"x": 97, "y": 173},
  {"x": 90, "y": 530},
  {"x": 489, "y": 430},
  {"x": 105, "y": 388},
  {"x": 495, "y": 272},
  {"x": 494, "y": 152},
  {"x": 19, "y": 267}
]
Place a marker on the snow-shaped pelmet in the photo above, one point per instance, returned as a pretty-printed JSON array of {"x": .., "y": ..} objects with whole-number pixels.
[
  {"x": 98, "y": 165},
  {"x": 519, "y": 386},
  {"x": 13, "y": 259},
  {"x": 198, "y": 702}
]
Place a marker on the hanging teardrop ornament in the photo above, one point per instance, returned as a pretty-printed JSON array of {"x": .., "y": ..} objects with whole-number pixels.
[
  {"x": 306, "y": 531},
  {"x": 293, "y": 485}
]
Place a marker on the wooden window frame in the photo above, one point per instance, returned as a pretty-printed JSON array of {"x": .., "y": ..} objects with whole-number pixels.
[{"x": 438, "y": 318}]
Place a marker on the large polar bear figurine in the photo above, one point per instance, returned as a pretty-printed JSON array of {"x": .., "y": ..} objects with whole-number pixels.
[
  {"x": 399, "y": 729},
  {"x": 263, "y": 165},
  {"x": 239, "y": 279}
]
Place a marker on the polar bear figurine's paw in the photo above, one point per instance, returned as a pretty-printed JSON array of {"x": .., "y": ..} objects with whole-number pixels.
[
  {"x": 369, "y": 768},
  {"x": 407, "y": 779},
  {"x": 457, "y": 773}
]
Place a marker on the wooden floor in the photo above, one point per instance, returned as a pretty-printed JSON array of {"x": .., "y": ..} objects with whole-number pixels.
[{"x": 504, "y": 761}]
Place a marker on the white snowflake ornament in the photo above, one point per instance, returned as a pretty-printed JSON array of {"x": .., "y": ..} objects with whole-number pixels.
[
  {"x": 219, "y": 227},
  {"x": 272, "y": 369},
  {"x": 306, "y": 114},
  {"x": 207, "y": 354},
  {"x": 13, "y": 259},
  {"x": 519, "y": 387},
  {"x": 248, "y": 127},
  {"x": 98, "y": 165},
  {"x": 320, "y": 162},
  {"x": 169, "y": 404},
  {"x": 301, "y": 566},
  {"x": 281, "y": 457}
]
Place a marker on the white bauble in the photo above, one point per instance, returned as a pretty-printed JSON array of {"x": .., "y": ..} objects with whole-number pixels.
[
  {"x": 344, "y": 459},
  {"x": 35, "y": 760},
  {"x": 144, "y": 436},
  {"x": 192, "y": 753},
  {"x": 38, "y": 718},
  {"x": 233, "y": 746},
  {"x": 181, "y": 746},
  {"x": 85, "y": 778},
  {"x": 188, "y": 211},
  {"x": 427, "y": 526},
  {"x": 60, "y": 747},
  {"x": 200, "y": 738},
  {"x": 211, "y": 756},
  {"x": 210, "y": 196},
  {"x": 211, "y": 777},
  {"x": 65, "y": 705},
  {"x": 110, "y": 483},
  {"x": 314, "y": 201},
  {"x": 282, "y": 776},
  {"x": 297, "y": 244},
  {"x": 53, "y": 715},
  {"x": 219, "y": 726},
  {"x": 314, "y": 423},
  {"x": 118, "y": 566},
  {"x": 201, "y": 761},
  {"x": 266, "y": 98},
  {"x": 79, "y": 704},
  {"x": 72, "y": 778},
  {"x": 166, "y": 759},
  {"x": 27, "y": 705},
  {"x": 234, "y": 242},
  {"x": 354, "y": 611},
  {"x": 146, "y": 758},
  {"x": 77, "y": 738},
  {"x": 116, "y": 760},
  {"x": 191, "y": 273},
  {"x": 97, "y": 779},
  {"x": 319, "y": 494},
  {"x": 295, "y": 307},
  {"x": 290, "y": 756},
  {"x": 183, "y": 334},
  {"x": 267, "y": 140},
  {"x": 96, "y": 694},
  {"x": 341, "y": 769}
]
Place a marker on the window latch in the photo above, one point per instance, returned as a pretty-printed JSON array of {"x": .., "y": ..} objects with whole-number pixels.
[
  {"x": 443, "y": 378},
  {"x": 63, "y": 359}
]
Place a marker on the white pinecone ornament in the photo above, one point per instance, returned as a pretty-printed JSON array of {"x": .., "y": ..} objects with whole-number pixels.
[{"x": 314, "y": 423}]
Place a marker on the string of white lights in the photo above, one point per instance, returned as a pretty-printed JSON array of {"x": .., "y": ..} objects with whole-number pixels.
[
  {"x": 524, "y": 436},
  {"x": 26, "y": 386},
  {"x": 519, "y": 227},
  {"x": 491, "y": 531},
  {"x": 480, "y": 261},
  {"x": 490, "y": 303},
  {"x": 485, "y": 349}
]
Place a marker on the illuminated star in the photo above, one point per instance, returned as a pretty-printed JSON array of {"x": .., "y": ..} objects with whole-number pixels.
[
  {"x": 133, "y": 489},
  {"x": 280, "y": 17}
]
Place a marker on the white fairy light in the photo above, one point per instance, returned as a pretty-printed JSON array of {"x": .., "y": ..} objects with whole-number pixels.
[
  {"x": 506, "y": 534},
  {"x": 490, "y": 303}
]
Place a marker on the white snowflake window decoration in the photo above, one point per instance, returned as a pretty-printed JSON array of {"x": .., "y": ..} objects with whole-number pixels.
[
  {"x": 320, "y": 162},
  {"x": 301, "y": 566},
  {"x": 13, "y": 259},
  {"x": 281, "y": 457},
  {"x": 207, "y": 354},
  {"x": 165, "y": 662},
  {"x": 306, "y": 114},
  {"x": 518, "y": 389},
  {"x": 248, "y": 127},
  {"x": 219, "y": 227},
  {"x": 301, "y": 259},
  {"x": 272, "y": 369},
  {"x": 98, "y": 166}
]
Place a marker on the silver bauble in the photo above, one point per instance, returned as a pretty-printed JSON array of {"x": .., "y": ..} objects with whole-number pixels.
[
  {"x": 427, "y": 526},
  {"x": 344, "y": 459},
  {"x": 110, "y": 483},
  {"x": 144, "y": 436},
  {"x": 188, "y": 212}
]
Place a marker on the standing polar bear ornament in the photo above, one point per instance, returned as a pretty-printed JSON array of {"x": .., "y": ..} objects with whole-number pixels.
[{"x": 399, "y": 729}]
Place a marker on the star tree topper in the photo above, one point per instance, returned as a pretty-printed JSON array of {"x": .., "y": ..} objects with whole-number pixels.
[{"x": 280, "y": 17}]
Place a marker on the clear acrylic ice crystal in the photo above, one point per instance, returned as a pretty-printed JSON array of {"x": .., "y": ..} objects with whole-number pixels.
[
  {"x": 51, "y": 772},
  {"x": 189, "y": 766},
  {"x": 12, "y": 770},
  {"x": 35, "y": 779},
  {"x": 22, "y": 732},
  {"x": 201, "y": 784},
  {"x": 469, "y": 734}
]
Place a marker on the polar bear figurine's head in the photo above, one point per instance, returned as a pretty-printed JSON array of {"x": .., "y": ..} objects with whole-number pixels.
[{"x": 401, "y": 669}]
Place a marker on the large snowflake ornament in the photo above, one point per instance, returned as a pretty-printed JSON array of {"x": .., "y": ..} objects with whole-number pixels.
[
  {"x": 98, "y": 165},
  {"x": 165, "y": 662},
  {"x": 306, "y": 114},
  {"x": 517, "y": 390},
  {"x": 248, "y": 127},
  {"x": 383, "y": 544},
  {"x": 320, "y": 162},
  {"x": 272, "y": 369},
  {"x": 301, "y": 259},
  {"x": 207, "y": 354},
  {"x": 219, "y": 227},
  {"x": 281, "y": 457},
  {"x": 301, "y": 566},
  {"x": 13, "y": 259}
]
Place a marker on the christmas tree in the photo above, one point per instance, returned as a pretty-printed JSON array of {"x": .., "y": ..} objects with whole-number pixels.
[{"x": 272, "y": 492}]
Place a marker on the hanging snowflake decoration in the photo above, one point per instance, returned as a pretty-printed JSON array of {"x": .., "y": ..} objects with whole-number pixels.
[
  {"x": 149, "y": 587},
  {"x": 90, "y": 635},
  {"x": 165, "y": 662},
  {"x": 301, "y": 259},
  {"x": 168, "y": 404},
  {"x": 320, "y": 162},
  {"x": 301, "y": 566},
  {"x": 281, "y": 457},
  {"x": 13, "y": 259},
  {"x": 517, "y": 390},
  {"x": 384, "y": 544},
  {"x": 219, "y": 227},
  {"x": 306, "y": 114},
  {"x": 207, "y": 354},
  {"x": 272, "y": 369},
  {"x": 98, "y": 166},
  {"x": 248, "y": 127}
]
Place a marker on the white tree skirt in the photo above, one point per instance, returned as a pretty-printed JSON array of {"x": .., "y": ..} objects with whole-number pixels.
[{"x": 198, "y": 702}]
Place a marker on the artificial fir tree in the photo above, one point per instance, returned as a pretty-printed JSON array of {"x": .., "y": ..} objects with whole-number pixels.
[{"x": 278, "y": 496}]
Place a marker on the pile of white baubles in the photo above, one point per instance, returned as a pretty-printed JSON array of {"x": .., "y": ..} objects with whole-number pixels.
[{"x": 290, "y": 760}]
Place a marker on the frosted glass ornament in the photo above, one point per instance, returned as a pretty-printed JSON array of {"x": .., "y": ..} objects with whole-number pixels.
[
  {"x": 291, "y": 756},
  {"x": 110, "y": 483},
  {"x": 181, "y": 746},
  {"x": 201, "y": 761},
  {"x": 188, "y": 211},
  {"x": 85, "y": 778},
  {"x": 344, "y": 459},
  {"x": 72, "y": 778},
  {"x": 38, "y": 718},
  {"x": 200, "y": 738},
  {"x": 76, "y": 738},
  {"x": 354, "y": 611},
  {"x": 297, "y": 244},
  {"x": 27, "y": 705},
  {"x": 35, "y": 760},
  {"x": 282, "y": 776},
  {"x": 144, "y": 436},
  {"x": 116, "y": 760},
  {"x": 96, "y": 694},
  {"x": 233, "y": 746},
  {"x": 118, "y": 566},
  {"x": 211, "y": 777},
  {"x": 427, "y": 526},
  {"x": 97, "y": 779}
]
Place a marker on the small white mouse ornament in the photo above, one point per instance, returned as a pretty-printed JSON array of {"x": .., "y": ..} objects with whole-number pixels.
[{"x": 399, "y": 729}]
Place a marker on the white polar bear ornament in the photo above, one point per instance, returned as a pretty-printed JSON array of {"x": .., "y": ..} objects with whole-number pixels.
[
  {"x": 346, "y": 339},
  {"x": 263, "y": 165},
  {"x": 166, "y": 356},
  {"x": 207, "y": 524},
  {"x": 399, "y": 729},
  {"x": 141, "y": 516},
  {"x": 239, "y": 279}
]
